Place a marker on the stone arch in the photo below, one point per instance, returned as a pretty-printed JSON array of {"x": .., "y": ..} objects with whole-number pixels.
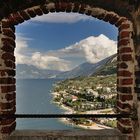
[{"x": 126, "y": 98}]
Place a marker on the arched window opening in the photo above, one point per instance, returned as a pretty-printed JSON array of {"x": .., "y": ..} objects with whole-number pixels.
[{"x": 78, "y": 54}]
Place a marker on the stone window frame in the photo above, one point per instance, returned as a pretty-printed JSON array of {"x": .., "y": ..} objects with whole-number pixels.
[{"x": 126, "y": 97}]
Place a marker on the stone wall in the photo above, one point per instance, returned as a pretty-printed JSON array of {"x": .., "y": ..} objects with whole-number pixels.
[{"x": 128, "y": 62}]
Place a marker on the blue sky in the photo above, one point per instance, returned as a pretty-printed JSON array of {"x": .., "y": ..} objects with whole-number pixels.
[{"x": 62, "y": 41}]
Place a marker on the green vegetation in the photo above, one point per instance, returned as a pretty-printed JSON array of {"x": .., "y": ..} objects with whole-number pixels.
[
  {"x": 108, "y": 69},
  {"x": 94, "y": 93},
  {"x": 111, "y": 123},
  {"x": 87, "y": 94},
  {"x": 81, "y": 121}
]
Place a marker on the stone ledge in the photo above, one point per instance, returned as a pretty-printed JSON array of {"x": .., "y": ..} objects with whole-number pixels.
[{"x": 105, "y": 134}]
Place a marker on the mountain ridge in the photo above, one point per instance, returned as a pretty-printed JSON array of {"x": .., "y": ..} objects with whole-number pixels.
[
  {"x": 84, "y": 70},
  {"x": 31, "y": 72}
]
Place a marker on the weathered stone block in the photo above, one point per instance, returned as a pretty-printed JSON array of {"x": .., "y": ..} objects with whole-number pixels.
[
  {"x": 118, "y": 24},
  {"x": 7, "y": 72},
  {"x": 126, "y": 122},
  {"x": 8, "y": 129},
  {"x": 124, "y": 27},
  {"x": 10, "y": 96},
  {"x": 8, "y": 48},
  {"x": 10, "y": 64},
  {"x": 24, "y": 15},
  {"x": 7, "y": 121},
  {"x": 6, "y": 89},
  {"x": 8, "y": 32},
  {"x": 8, "y": 56},
  {"x": 44, "y": 9},
  {"x": 125, "y": 89},
  {"x": 128, "y": 81},
  {"x": 124, "y": 34},
  {"x": 8, "y": 41},
  {"x": 125, "y": 50},
  {"x": 124, "y": 98},
  {"x": 126, "y": 57},
  {"x": 123, "y": 65},
  {"x": 82, "y": 8},
  {"x": 18, "y": 17},
  {"x": 124, "y": 130},
  {"x": 124, "y": 73},
  {"x": 38, "y": 11},
  {"x": 9, "y": 105},
  {"x": 63, "y": 6},
  {"x": 76, "y": 7},
  {"x": 123, "y": 42},
  {"x": 124, "y": 106},
  {"x": 7, "y": 80},
  {"x": 31, "y": 13}
]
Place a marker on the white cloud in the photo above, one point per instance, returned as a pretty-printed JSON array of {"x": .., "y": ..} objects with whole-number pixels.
[
  {"x": 93, "y": 49},
  {"x": 62, "y": 18},
  {"x": 21, "y": 49},
  {"x": 43, "y": 61}
]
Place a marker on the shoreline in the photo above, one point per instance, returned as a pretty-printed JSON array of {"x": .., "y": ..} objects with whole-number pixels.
[{"x": 68, "y": 110}]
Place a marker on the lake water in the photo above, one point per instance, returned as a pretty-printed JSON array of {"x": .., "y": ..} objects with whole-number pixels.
[{"x": 34, "y": 97}]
